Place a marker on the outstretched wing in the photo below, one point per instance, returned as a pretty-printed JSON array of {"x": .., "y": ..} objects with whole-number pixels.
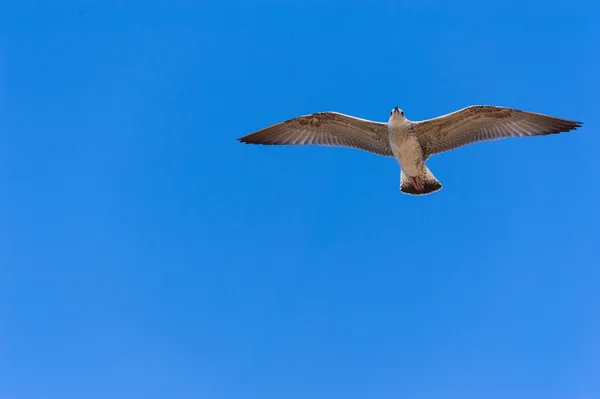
[
  {"x": 482, "y": 123},
  {"x": 328, "y": 129}
]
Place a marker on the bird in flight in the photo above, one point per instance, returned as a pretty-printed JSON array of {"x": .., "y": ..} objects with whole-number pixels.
[{"x": 411, "y": 142}]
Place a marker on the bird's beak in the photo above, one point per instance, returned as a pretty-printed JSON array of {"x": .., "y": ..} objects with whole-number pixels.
[{"x": 396, "y": 109}]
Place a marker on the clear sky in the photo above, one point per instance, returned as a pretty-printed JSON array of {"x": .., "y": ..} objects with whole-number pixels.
[{"x": 145, "y": 253}]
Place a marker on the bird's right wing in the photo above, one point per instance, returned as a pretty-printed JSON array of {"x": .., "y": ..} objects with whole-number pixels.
[
  {"x": 328, "y": 129},
  {"x": 482, "y": 123}
]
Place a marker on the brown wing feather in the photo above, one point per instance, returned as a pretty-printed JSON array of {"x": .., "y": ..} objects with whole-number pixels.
[
  {"x": 482, "y": 123},
  {"x": 328, "y": 129}
]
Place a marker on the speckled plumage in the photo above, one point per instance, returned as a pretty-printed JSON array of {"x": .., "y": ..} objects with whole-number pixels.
[
  {"x": 328, "y": 129},
  {"x": 411, "y": 143}
]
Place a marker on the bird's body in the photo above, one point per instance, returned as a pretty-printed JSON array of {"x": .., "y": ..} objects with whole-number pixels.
[
  {"x": 407, "y": 150},
  {"x": 406, "y": 147},
  {"x": 411, "y": 143}
]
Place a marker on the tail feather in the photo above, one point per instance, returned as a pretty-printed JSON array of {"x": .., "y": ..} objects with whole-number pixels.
[{"x": 427, "y": 180}]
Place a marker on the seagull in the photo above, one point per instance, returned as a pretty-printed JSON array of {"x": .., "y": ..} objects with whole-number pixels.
[{"x": 411, "y": 142}]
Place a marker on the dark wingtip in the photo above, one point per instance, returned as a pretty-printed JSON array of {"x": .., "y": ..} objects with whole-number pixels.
[
  {"x": 574, "y": 125},
  {"x": 566, "y": 126},
  {"x": 254, "y": 139}
]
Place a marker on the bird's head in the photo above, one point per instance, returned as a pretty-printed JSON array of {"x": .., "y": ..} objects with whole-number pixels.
[{"x": 396, "y": 115}]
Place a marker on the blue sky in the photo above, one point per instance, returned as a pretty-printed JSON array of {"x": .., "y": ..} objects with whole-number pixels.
[{"x": 144, "y": 252}]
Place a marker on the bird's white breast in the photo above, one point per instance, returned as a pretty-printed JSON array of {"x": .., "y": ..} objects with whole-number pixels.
[{"x": 406, "y": 149}]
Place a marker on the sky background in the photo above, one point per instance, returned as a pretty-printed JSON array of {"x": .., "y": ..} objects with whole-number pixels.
[{"x": 145, "y": 253}]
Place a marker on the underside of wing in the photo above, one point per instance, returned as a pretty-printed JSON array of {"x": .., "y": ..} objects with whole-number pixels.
[
  {"x": 483, "y": 123},
  {"x": 327, "y": 129}
]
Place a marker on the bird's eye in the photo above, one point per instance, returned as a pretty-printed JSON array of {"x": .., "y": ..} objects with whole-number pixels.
[
  {"x": 402, "y": 113},
  {"x": 391, "y": 113}
]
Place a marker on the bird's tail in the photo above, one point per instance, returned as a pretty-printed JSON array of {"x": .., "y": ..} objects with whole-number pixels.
[{"x": 424, "y": 184}]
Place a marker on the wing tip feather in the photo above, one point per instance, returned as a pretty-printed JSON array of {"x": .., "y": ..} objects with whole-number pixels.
[
  {"x": 244, "y": 140},
  {"x": 254, "y": 138},
  {"x": 570, "y": 126}
]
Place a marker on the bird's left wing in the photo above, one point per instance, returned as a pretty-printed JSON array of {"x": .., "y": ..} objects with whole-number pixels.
[
  {"x": 328, "y": 129},
  {"x": 482, "y": 123}
]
